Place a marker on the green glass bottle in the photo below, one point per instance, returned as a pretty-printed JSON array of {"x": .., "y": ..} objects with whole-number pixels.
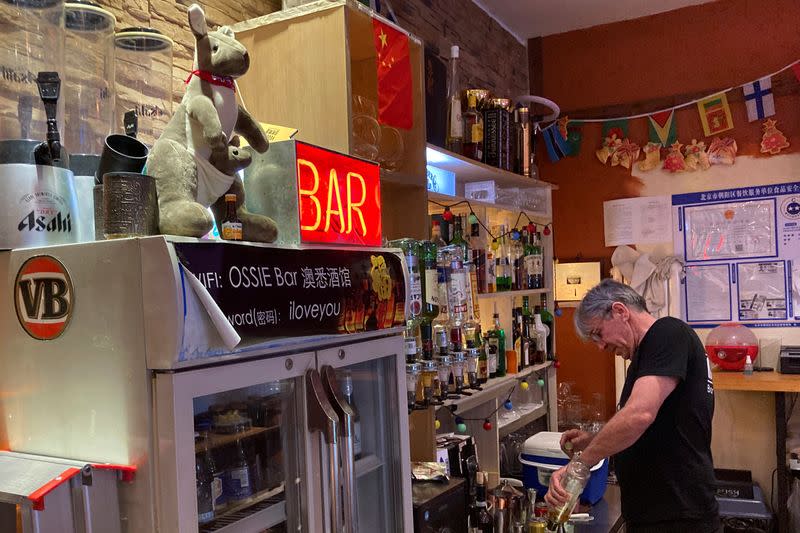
[
  {"x": 496, "y": 341},
  {"x": 547, "y": 320},
  {"x": 430, "y": 297},
  {"x": 459, "y": 240}
]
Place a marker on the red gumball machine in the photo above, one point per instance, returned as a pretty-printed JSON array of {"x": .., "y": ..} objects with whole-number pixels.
[{"x": 728, "y": 346}]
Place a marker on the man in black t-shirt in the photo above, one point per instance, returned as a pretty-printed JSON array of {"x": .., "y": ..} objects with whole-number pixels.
[{"x": 661, "y": 436}]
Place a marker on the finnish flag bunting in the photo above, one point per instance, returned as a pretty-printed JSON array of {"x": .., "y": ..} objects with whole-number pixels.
[{"x": 759, "y": 100}]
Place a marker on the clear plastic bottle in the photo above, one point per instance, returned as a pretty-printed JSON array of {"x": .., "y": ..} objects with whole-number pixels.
[
  {"x": 573, "y": 481},
  {"x": 748, "y": 366}
]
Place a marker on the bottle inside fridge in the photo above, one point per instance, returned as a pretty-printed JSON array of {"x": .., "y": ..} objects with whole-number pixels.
[{"x": 242, "y": 454}]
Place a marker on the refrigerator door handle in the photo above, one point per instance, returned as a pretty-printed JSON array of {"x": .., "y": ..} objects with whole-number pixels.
[
  {"x": 322, "y": 418},
  {"x": 346, "y": 418}
]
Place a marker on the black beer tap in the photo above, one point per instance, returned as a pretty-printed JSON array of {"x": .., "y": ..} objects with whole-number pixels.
[
  {"x": 131, "y": 121},
  {"x": 49, "y": 153}
]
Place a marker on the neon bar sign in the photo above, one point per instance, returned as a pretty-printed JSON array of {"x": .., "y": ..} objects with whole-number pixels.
[{"x": 339, "y": 198}]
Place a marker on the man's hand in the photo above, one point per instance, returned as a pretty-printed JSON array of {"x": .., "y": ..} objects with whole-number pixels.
[
  {"x": 574, "y": 441},
  {"x": 556, "y": 495}
]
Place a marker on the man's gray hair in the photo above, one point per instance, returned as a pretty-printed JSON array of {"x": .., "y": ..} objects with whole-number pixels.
[{"x": 598, "y": 301}]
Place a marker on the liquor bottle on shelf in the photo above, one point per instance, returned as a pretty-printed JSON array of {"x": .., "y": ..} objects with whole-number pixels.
[
  {"x": 503, "y": 276},
  {"x": 490, "y": 269},
  {"x": 410, "y": 249},
  {"x": 541, "y": 336},
  {"x": 527, "y": 251},
  {"x": 455, "y": 121},
  {"x": 347, "y": 390},
  {"x": 480, "y": 520},
  {"x": 515, "y": 326},
  {"x": 458, "y": 239},
  {"x": 546, "y": 328},
  {"x": 479, "y": 261},
  {"x": 231, "y": 227},
  {"x": 458, "y": 297},
  {"x": 547, "y": 320},
  {"x": 474, "y": 229},
  {"x": 516, "y": 334},
  {"x": 496, "y": 339},
  {"x": 430, "y": 297},
  {"x": 517, "y": 253},
  {"x": 522, "y": 274},
  {"x": 436, "y": 235},
  {"x": 534, "y": 264},
  {"x": 473, "y": 129},
  {"x": 412, "y": 348},
  {"x": 442, "y": 266},
  {"x": 525, "y": 344}
]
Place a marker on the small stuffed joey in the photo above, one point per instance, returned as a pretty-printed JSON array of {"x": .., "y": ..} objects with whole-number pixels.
[
  {"x": 193, "y": 162},
  {"x": 254, "y": 227}
]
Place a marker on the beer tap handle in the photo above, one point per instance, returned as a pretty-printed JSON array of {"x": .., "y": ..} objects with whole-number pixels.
[
  {"x": 49, "y": 89},
  {"x": 131, "y": 122}
]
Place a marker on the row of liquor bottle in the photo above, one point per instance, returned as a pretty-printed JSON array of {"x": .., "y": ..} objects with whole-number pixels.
[
  {"x": 513, "y": 261},
  {"x": 490, "y": 130},
  {"x": 443, "y": 309}
]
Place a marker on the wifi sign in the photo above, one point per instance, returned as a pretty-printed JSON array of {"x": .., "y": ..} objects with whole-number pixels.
[{"x": 43, "y": 297}]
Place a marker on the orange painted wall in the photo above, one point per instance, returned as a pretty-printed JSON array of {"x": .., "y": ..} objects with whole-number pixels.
[{"x": 699, "y": 48}]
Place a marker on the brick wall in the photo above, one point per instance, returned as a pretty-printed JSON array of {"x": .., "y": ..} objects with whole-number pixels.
[
  {"x": 491, "y": 57},
  {"x": 169, "y": 17}
]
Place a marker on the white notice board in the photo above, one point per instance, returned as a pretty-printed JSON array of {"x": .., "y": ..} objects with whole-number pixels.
[{"x": 742, "y": 253}]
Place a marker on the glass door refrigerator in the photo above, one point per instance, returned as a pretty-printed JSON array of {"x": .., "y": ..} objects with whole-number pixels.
[{"x": 301, "y": 434}]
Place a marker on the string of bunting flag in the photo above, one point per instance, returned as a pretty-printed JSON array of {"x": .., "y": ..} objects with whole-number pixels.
[{"x": 562, "y": 137}]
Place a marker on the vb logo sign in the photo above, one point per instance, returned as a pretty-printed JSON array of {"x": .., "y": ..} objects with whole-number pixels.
[{"x": 43, "y": 297}]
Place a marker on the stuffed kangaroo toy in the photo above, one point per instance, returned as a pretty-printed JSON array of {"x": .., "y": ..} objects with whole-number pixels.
[{"x": 192, "y": 161}]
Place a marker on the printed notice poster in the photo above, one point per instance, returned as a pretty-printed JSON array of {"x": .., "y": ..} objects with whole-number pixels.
[
  {"x": 731, "y": 230},
  {"x": 762, "y": 290},
  {"x": 642, "y": 220},
  {"x": 708, "y": 293}
]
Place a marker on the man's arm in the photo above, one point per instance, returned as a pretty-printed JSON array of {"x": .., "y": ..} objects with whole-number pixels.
[{"x": 625, "y": 427}]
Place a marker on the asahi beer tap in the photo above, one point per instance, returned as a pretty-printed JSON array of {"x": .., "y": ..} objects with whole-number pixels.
[{"x": 37, "y": 193}]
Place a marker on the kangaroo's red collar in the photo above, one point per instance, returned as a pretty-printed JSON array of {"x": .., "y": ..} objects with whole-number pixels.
[{"x": 213, "y": 79}]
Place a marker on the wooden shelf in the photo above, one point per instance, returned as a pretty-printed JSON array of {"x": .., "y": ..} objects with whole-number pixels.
[
  {"x": 468, "y": 170},
  {"x": 492, "y": 389},
  {"x": 217, "y": 440},
  {"x": 758, "y": 382},
  {"x": 506, "y": 294},
  {"x": 526, "y": 418},
  {"x": 241, "y": 507},
  {"x": 537, "y": 218}
]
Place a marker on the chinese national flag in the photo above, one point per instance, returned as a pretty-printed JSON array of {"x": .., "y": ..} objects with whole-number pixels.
[{"x": 395, "y": 105}]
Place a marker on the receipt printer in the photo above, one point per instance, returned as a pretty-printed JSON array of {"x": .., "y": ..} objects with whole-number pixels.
[{"x": 789, "y": 360}]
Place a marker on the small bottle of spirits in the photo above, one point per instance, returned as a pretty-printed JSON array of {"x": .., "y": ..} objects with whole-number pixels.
[{"x": 231, "y": 227}]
